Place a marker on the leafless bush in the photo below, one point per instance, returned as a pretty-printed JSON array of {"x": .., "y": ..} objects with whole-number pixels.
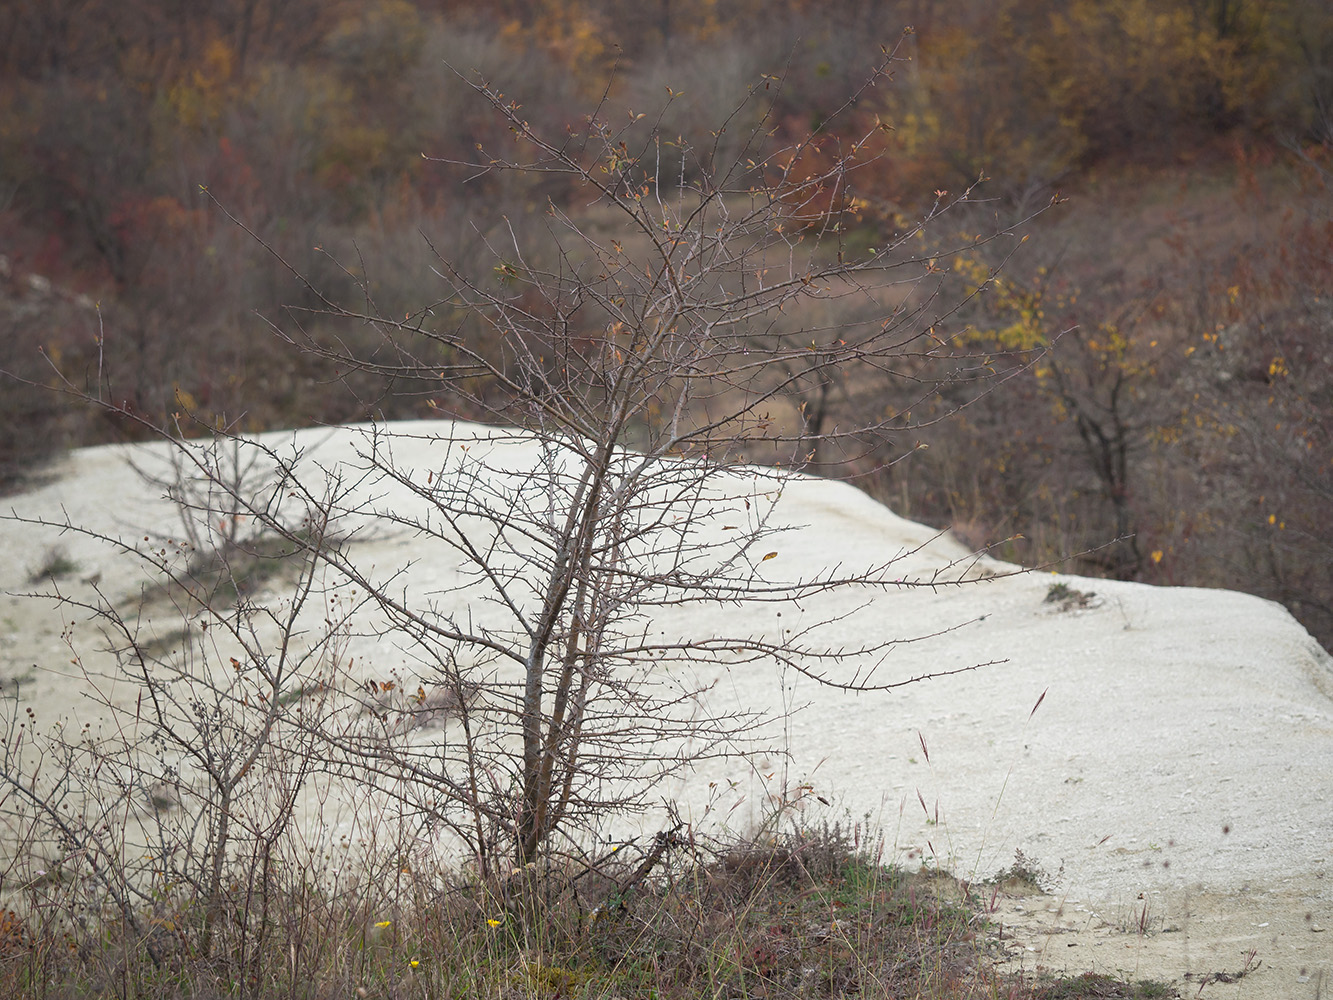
[
  {"x": 634, "y": 367},
  {"x": 170, "y": 806},
  {"x": 644, "y": 351}
]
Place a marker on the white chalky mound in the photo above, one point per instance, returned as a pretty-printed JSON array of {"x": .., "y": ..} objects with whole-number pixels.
[{"x": 1183, "y": 747}]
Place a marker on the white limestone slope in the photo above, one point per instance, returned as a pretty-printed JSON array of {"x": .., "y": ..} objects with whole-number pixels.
[{"x": 1182, "y": 748}]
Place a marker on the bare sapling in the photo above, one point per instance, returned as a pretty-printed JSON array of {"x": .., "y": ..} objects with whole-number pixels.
[
  {"x": 654, "y": 354},
  {"x": 175, "y": 802},
  {"x": 653, "y": 360}
]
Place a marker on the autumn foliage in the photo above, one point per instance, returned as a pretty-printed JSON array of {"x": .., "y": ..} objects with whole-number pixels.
[{"x": 1165, "y": 333}]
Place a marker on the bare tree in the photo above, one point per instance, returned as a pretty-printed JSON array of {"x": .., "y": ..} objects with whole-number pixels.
[
  {"x": 646, "y": 363},
  {"x": 644, "y": 350}
]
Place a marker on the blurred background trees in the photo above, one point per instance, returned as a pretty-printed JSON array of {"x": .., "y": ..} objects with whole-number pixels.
[{"x": 1177, "y": 429}]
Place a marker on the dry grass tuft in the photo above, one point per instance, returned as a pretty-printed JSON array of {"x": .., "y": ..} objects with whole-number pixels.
[{"x": 805, "y": 914}]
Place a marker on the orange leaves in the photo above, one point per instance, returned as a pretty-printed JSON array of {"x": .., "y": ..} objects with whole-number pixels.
[
  {"x": 618, "y": 159},
  {"x": 571, "y": 33}
]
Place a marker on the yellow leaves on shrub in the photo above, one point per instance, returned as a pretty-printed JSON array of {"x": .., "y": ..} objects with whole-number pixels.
[
  {"x": 207, "y": 90},
  {"x": 1024, "y": 306}
]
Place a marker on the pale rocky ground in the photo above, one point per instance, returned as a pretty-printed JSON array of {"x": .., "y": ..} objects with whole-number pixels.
[{"x": 1175, "y": 782}]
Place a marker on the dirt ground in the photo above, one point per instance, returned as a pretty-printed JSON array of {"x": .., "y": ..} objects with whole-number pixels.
[{"x": 1258, "y": 945}]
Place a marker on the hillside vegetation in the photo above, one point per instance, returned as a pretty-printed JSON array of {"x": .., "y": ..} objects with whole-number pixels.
[{"x": 1163, "y": 336}]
